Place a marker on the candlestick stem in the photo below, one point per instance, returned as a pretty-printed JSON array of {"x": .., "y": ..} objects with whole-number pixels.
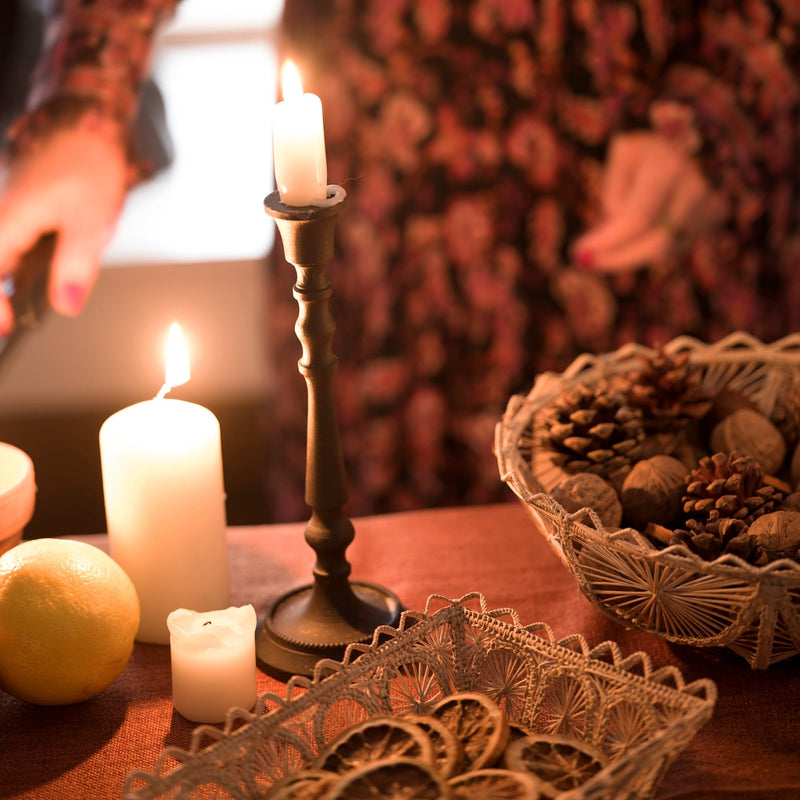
[{"x": 319, "y": 620}]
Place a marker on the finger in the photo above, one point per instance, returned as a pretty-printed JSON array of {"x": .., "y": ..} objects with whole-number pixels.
[
  {"x": 76, "y": 262},
  {"x": 17, "y": 236},
  {"x": 19, "y": 231},
  {"x": 649, "y": 248},
  {"x": 623, "y": 157},
  {"x": 6, "y": 316}
]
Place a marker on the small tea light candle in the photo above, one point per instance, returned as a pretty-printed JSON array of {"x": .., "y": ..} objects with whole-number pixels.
[
  {"x": 213, "y": 656},
  {"x": 298, "y": 143}
]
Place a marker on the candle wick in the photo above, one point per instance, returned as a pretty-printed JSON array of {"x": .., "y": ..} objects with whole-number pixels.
[
  {"x": 207, "y": 622},
  {"x": 162, "y": 391}
]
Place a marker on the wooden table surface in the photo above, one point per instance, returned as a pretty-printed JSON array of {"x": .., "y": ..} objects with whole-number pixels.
[{"x": 749, "y": 750}]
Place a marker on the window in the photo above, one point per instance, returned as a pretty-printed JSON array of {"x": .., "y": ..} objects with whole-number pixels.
[{"x": 215, "y": 64}]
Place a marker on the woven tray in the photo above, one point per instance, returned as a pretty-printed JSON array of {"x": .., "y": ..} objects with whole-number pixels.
[
  {"x": 673, "y": 593},
  {"x": 641, "y": 718}
]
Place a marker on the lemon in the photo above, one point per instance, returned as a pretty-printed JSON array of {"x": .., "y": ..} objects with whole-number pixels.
[{"x": 68, "y": 618}]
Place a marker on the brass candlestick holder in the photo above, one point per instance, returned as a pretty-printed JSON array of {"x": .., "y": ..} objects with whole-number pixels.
[{"x": 319, "y": 620}]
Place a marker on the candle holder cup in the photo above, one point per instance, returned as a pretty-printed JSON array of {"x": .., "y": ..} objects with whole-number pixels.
[{"x": 321, "y": 619}]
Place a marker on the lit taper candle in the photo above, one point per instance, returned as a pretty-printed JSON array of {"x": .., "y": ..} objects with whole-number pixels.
[{"x": 298, "y": 141}]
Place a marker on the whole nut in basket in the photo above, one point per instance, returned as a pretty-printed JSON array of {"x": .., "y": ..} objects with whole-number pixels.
[
  {"x": 586, "y": 490},
  {"x": 653, "y": 492},
  {"x": 751, "y": 433},
  {"x": 776, "y": 535}
]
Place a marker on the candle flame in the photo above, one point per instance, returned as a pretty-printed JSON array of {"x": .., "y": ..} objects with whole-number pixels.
[
  {"x": 177, "y": 370},
  {"x": 291, "y": 83}
]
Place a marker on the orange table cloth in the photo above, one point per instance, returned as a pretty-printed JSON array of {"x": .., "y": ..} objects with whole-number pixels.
[{"x": 749, "y": 750}]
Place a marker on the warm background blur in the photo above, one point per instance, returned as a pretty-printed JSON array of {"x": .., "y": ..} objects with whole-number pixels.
[{"x": 190, "y": 248}]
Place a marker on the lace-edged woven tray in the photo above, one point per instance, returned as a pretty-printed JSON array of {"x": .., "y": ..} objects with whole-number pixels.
[
  {"x": 673, "y": 593},
  {"x": 639, "y": 717}
]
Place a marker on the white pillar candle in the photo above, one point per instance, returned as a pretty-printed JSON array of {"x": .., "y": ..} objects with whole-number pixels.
[
  {"x": 165, "y": 502},
  {"x": 298, "y": 143},
  {"x": 213, "y": 657}
]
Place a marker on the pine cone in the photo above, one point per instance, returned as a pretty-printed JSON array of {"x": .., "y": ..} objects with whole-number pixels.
[
  {"x": 668, "y": 389},
  {"x": 724, "y": 494},
  {"x": 732, "y": 485},
  {"x": 786, "y": 416},
  {"x": 715, "y": 536},
  {"x": 593, "y": 429}
]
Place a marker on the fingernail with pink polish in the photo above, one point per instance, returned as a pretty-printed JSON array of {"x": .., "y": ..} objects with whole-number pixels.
[
  {"x": 72, "y": 296},
  {"x": 585, "y": 259}
]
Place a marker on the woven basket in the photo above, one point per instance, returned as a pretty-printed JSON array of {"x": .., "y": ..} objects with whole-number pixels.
[
  {"x": 673, "y": 593},
  {"x": 639, "y": 717}
]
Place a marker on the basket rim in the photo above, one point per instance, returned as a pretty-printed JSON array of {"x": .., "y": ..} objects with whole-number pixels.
[
  {"x": 734, "y": 348},
  {"x": 737, "y": 348}
]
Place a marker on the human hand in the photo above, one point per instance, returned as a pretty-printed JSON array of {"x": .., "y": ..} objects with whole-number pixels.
[
  {"x": 73, "y": 183},
  {"x": 655, "y": 200}
]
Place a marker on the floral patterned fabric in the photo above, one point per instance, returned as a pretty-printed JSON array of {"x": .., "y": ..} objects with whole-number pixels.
[
  {"x": 470, "y": 136},
  {"x": 95, "y": 62}
]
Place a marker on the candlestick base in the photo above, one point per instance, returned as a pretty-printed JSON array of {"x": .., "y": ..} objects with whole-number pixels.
[{"x": 299, "y": 629}]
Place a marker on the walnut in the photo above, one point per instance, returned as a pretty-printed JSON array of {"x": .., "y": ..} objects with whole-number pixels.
[
  {"x": 586, "y": 490},
  {"x": 652, "y": 492},
  {"x": 777, "y": 535},
  {"x": 750, "y": 433}
]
